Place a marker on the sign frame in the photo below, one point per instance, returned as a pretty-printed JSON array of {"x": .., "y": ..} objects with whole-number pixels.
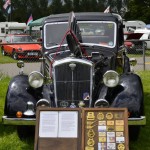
[
  {"x": 101, "y": 130},
  {"x": 54, "y": 143}
]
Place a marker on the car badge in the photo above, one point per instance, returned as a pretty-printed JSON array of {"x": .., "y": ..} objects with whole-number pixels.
[
  {"x": 81, "y": 104},
  {"x": 109, "y": 115},
  {"x": 121, "y": 146},
  {"x": 100, "y": 116},
  {"x": 64, "y": 104},
  {"x": 89, "y": 148},
  {"x": 72, "y": 105},
  {"x": 90, "y": 142},
  {"x": 86, "y": 96},
  {"x": 90, "y": 116},
  {"x": 91, "y": 133}
]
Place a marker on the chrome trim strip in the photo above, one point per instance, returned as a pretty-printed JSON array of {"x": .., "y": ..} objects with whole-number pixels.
[
  {"x": 137, "y": 121},
  {"x": 18, "y": 121},
  {"x": 72, "y": 60},
  {"x": 32, "y": 121}
]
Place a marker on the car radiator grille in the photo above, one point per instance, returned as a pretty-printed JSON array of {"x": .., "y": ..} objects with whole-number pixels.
[{"x": 73, "y": 81}]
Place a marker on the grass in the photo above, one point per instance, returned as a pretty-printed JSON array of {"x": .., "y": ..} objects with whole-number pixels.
[
  {"x": 9, "y": 139},
  {"x": 8, "y": 134},
  {"x": 6, "y": 59}
]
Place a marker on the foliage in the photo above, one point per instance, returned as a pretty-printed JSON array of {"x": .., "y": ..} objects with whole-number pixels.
[
  {"x": 22, "y": 9},
  {"x": 138, "y": 10}
]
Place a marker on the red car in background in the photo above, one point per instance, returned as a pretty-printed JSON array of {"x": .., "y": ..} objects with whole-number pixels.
[{"x": 20, "y": 46}]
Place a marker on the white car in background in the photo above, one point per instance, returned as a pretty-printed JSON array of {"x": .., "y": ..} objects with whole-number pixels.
[{"x": 145, "y": 36}]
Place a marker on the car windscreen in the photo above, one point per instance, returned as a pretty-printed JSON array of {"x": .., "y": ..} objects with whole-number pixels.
[
  {"x": 20, "y": 39},
  {"x": 102, "y": 33}
]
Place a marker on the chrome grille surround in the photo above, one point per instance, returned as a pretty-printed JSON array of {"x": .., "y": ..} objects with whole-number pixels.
[{"x": 73, "y": 82}]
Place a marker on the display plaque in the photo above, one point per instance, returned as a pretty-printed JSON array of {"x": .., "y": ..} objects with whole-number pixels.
[
  {"x": 58, "y": 128},
  {"x": 105, "y": 129}
]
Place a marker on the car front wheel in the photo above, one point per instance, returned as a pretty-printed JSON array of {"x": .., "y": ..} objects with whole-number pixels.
[{"x": 15, "y": 55}]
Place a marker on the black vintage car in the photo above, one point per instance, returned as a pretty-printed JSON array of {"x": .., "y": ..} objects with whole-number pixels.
[{"x": 84, "y": 64}]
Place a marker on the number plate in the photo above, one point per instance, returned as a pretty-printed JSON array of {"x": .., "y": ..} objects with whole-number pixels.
[{"x": 32, "y": 53}]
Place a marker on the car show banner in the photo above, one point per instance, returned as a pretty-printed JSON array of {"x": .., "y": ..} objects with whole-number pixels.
[{"x": 81, "y": 129}]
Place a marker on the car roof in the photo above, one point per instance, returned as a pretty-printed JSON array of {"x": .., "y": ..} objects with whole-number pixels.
[{"x": 83, "y": 16}]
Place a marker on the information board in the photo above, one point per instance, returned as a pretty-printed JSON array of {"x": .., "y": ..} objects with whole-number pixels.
[
  {"x": 81, "y": 129},
  {"x": 104, "y": 129},
  {"x": 58, "y": 128}
]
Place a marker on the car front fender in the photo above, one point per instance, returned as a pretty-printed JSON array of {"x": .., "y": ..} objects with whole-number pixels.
[
  {"x": 130, "y": 95},
  {"x": 18, "y": 95}
]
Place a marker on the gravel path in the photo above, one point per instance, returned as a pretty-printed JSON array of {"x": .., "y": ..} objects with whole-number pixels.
[{"x": 12, "y": 69}]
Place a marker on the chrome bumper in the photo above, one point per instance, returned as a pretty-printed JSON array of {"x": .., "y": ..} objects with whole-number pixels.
[
  {"x": 32, "y": 121},
  {"x": 137, "y": 121},
  {"x": 18, "y": 121}
]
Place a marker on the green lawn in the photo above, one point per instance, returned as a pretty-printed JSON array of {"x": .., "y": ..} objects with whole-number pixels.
[
  {"x": 6, "y": 59},
  {"x": 10, "y": 141}
]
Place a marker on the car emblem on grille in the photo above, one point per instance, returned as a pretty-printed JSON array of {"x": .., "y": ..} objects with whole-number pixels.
[
  {"x": 72, "y": 66},
  {"x": 72, "y": 105},
  {"x": 64, "y": 104}
]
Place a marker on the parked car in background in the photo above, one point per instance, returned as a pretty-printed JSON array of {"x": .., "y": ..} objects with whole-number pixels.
[
  {"x": 145, "y": 36},
  {"x": 84, "y": 64},
  {"x": 20, "y": 46},
  {"x": 133, "y": 43}
]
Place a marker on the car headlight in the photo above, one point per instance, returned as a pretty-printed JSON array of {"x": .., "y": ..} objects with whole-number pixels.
[
  {"x": 35, "y": 79},
  {"x": 111, "y": 78}
]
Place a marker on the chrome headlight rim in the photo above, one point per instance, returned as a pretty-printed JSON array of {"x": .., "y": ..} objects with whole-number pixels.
[
  {"x": 111, "y": 78},
  {"x": 102, "y": 101},
  {"x": 35, "y": 79},
  {"x": 43, "y": 102}
]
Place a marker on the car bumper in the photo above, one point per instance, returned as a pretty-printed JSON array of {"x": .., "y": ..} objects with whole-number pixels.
[
  {"x": 32, "y": 121},
  {"x": 18, "y": 121},
  {"x": 137, "y": 121}
]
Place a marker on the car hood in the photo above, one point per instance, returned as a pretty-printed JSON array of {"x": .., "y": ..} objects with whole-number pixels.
[{"x": 27, "y": 46}]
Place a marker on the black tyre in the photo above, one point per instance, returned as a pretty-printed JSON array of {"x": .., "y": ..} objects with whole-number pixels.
[
  {"x": 3, "y": 52},
  {"x": 14, "y": 55},
  {"x": 25, "y": 132},
  {"x": 134, "y": 132}
]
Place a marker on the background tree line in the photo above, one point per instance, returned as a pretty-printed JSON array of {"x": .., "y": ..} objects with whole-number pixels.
[{"x": 21, "y": 9}]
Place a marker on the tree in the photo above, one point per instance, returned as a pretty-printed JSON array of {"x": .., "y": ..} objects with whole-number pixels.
[
  {"x": 76, "y": 5},
  {"x": 56, "y": 7},
  {"x": 67, "y": 7},
  {"x": 139, "y": 10}
]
